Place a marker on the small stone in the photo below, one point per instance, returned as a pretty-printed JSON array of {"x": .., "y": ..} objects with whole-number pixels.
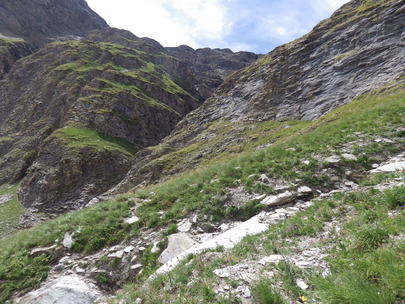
[
  {"x": 132, "y": 220},
  {"x": 128, "y": 249},
  {"x": 68, "y": 240},
  {"x": 155, "y": 247},
  {"x": 280, "y": 199},
  {"x": 59, "y": 267},
  {"x": 226, "y": 287},
  {"x": 118, "y": 254},
  {"x": 348, "y": 156},
  {"x": 138, "y": 301},
  {"x": 260, "y": 197},
  {"x": 275, "y": 258},
  {"x": 304, "y": 190},
  {"x": 224, "y": 227},
  {"x": 306, "y": 162},
  {"x": 93, "y": 201},
  {"x": 375, "y": 166},
  {"x": 264, "y": 178},
  {"x": 184, "y": 226},
  {"x": 137, "y": 266},
  {"x": 141, "y": 248},
  {"x": 80, "y": 270},
  {"x": 332, "y": 159},
  {"x": 195, "y": 219},
  {"x": 301, "y": 284}
]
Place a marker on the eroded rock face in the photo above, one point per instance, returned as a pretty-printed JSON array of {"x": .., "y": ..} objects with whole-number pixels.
[
  {"x": 10, "y": 51},
  {"x": 355, "y": 51},
  {"x": 211, "y": 66},
  {"x": 125, "y": 98},
  {"x": 42, "y": 21}
]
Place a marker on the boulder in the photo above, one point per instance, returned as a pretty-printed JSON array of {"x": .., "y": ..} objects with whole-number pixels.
[
  {"x": 393, "y": 167},
  {"x": 280, "y": 199},
  {"x": 178, "y": 243},
  {"x": 64, "y": 290}
]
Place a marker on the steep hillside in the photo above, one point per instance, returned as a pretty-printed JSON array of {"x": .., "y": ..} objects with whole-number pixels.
[
  {"x": 211, "y": 66},
  {"x": 356, "y": 50},
  {"x": 109, "y": 99},
  {"x": 39, "y": 22},
  {"x": 10, "y": 51}
]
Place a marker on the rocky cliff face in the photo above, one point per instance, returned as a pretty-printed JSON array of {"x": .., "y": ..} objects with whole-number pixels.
[
  {"x": 10, "y": 51},
  {"x": 211, "y": 66},
  {"x": 358, "y": 49},
  {"x": 109, "y": 99},
  {"x": 42, "y": 21},
  {"x": 73, "y": 114}
]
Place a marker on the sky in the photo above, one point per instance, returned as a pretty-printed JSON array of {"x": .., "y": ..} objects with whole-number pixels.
[{"x": 241, "y": 25}]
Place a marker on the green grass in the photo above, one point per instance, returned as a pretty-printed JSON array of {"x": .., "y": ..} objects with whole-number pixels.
[
  {"x": 204, "y": 192},
  {"x": 76, "y": 137},
  {"x": 10, "y": 211}
]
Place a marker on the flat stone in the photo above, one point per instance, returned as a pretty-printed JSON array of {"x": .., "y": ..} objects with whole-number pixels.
[
  {"x": 275, "y": 258},
  {"x": 332, "y": 159},
  {"x": 5, "y": 198},
  {"x": 304, "y": 190},
  {"x": 260, "y": 197},
  {"x": 184, "y": 226},
  {"x": 280, "y": 199},
  {"x": 128, "y": 249},
  {"x": 132, "y": 220},
  {"x": 64, "y": 290},
  {"x": 118, "y": 254},
  {"x": 42, "y": 250},
  {"x": 178, "y": 243},
  {"x": 348, "y": 156},
  {"x": 137, "y": 266},
  {"x": 393, "y": 167}
]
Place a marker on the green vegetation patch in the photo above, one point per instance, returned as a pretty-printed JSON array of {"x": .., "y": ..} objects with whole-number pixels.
[
  {"x": 10, "y": 209},
  {"x": 76, "y": 137}
]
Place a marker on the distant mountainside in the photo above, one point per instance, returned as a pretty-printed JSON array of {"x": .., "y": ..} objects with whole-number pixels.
[
  {"x": 358, "y": 49},
  {"x": 39, "y": 22},
  {"x": 211, "y": 66},
  {"x": 73, "y": 114}
]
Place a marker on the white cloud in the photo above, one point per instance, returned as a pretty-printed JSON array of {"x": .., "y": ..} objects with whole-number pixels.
[{"x": 171, "y": 22}]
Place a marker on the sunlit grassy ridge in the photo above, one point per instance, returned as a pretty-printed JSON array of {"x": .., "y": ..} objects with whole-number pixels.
[
  {"x": 10, "y": 210},
  {"x": 376, "y": 114}
]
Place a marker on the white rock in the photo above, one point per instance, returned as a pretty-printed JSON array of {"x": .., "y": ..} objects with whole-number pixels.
[
  {"x": 5, "y": 198},
  {"x": 128, "y": 249},
  {"x": 348, "y": 156},
  {"x": 195, "y": 219},
  {"x": 301, "y": 284},
  {"x": 137, "y": 266},
  {"x": 117, "y": 254},
  {"x": 68, "y": 240},
  {"x": 332, "y": 159},
  {"x": 138, "y": 301},
  {"x": 155, "y": 247},
  {"x": 280, "y": 199},
  {"x": 306, "y": 162},
  {"x": 93, "y": 201},
  {"x": 184, "y": 226},
  {"x": 80, "y": 270},
  {"x": 398, "y": 166},
  {"x": 132, "y": 220},
  {"x": 260, "y": 197},
  {"x": 275, "y": 258},
  {"x": 304, "y": 190},
  {"x": 64, "y": 290},
  {"x": 224, "y": 227},
  {"x": 178, "y": 243}
]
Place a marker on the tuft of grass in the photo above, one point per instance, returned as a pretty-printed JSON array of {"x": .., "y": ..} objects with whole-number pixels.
[{"x": 264, "y": 293}]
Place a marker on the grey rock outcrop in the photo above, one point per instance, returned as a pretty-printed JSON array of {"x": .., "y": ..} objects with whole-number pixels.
[
  {"x": 358, "y": 49},
  {"x": 64, "y": 290},
  {"x": 10, "y": 51},
  {"x": 211, "y": 66},
  {"x": 42, "y": 21}
]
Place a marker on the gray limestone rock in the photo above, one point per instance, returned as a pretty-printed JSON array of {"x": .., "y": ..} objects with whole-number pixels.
[
  {"x": 64, "y": 290},
  {"x": 178, "y": 243}
]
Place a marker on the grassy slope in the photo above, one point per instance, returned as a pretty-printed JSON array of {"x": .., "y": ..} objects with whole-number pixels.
[
  {"x": 10, "y": 211},
  {"x": 375, "y": 114},
  {"x": 76, "y": 137}
]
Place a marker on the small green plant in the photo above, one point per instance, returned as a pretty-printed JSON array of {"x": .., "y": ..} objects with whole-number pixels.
[{"x": 264, "y": 293}]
